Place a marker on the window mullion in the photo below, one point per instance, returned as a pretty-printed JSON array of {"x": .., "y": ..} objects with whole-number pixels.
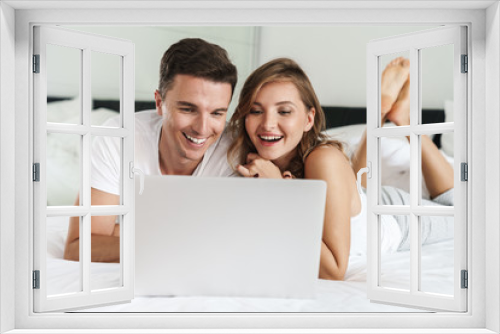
[
  {"x": 98, "y": 210},
  {"x": 415, "y": 90},
  {"x": 85, "y": 236},
  {"x": 84, "y": 129}
]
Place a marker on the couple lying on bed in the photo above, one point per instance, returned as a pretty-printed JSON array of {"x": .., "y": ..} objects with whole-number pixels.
[{"x": 275, "y": 132}]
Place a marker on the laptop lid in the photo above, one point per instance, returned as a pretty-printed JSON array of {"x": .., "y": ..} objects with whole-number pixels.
[{"x": 210, "y": 236}]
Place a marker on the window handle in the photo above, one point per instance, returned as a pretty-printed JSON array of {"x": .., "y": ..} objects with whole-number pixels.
[
  {"x": 133, "y": 171},
  {"x": 368, "y": 171}
]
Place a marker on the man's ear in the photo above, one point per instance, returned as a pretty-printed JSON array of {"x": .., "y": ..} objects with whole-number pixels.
[
  {"x": 158, "y": 102},
  {"x": 310, "y": 119}
]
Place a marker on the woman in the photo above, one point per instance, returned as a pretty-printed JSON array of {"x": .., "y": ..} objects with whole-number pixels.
[
  {"x": 277, "y": 134},
  {"x": 277, "y": 129}
]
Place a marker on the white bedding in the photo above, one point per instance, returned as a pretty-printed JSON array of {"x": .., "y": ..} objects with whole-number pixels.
[{"x": 333, "y": 296}]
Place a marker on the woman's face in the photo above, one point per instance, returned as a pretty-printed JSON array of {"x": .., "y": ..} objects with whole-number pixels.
[{"x": 277, "y": 121}]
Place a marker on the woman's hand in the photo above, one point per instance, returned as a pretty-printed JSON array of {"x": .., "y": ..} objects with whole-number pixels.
[{"x": 259, "y": 167}]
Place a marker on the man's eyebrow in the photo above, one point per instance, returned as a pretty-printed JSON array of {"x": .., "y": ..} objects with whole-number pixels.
[
  {"x": 185, "y": 103},
  {"x": 192, "y": 105}
]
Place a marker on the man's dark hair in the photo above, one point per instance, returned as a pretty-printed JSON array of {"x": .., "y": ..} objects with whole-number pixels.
[{"x": 196, "y": 57}]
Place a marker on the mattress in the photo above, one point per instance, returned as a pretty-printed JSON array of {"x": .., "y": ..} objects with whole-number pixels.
[{"x": 333, "y": 296}]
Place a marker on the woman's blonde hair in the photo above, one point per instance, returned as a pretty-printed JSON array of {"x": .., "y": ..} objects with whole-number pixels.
[{"x": 278, "y": 70}]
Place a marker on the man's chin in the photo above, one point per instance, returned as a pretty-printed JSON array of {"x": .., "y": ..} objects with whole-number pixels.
[{"x": 195, "y": 155}]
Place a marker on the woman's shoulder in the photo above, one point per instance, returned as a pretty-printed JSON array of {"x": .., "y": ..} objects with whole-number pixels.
[
  {"x": 325, "y": 159},
  {"x": 326, "y": 152}
]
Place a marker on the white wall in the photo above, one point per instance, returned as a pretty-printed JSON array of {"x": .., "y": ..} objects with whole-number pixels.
[
  {"x": 334, "y": 57},
  {"x": 492, "y": 157},
  {"x": 151, "y": 43},
  {"x": 7, "y": 167}
]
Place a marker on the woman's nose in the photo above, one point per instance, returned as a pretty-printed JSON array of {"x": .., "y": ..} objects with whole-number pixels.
[{"x": 269, "y": 121}]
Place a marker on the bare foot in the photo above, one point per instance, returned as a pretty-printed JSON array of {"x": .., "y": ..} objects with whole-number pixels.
[
  {"x": 400, "y": 111},
  {"x": 393, "y": 78}
]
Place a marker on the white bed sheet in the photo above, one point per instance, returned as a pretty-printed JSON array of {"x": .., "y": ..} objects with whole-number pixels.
[{"x": 333, "y": 296}]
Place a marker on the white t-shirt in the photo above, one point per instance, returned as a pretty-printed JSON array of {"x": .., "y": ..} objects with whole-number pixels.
[{"x": 106, "y": 153}]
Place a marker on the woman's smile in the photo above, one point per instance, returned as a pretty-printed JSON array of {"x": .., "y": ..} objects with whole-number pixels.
[{"x": 278, "y": 120}]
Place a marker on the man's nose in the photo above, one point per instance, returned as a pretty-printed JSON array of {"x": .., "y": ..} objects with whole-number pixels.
[{"x": 200, "y": 125}]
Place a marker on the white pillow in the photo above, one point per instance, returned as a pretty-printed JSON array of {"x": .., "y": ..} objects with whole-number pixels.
[
  {"x": 66, "y": 111},
  {"x": 57, "y": 230},
  {"x": 63, "y": 158},
  {"x": 349, "y": 135}
]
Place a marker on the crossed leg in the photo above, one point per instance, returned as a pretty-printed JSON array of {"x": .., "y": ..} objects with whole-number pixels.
[{"x": 395, "y": 106}]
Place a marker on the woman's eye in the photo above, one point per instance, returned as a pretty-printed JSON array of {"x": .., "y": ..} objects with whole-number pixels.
[
  {"x": 284, "y": 112},
  {"x": 255, "y": 112}
]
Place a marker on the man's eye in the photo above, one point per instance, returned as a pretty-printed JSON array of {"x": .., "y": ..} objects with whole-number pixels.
[
  {"x": 218, "y": 113},
  {"x": 186, "y": 109}
]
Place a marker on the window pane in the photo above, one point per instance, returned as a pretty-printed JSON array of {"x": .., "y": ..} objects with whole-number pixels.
[
  {"x": 106, "y": 87},
  {"x": 63, "y": 84},
  {"x": 395, "y": 89},
  {"x": 106, "y": 156},
  {"x": 63, "y": 276},
  {"x": 437, "y": 254},
  {"x": 63, "y": 168},
  {"x": 395, "y": 171},
  {"x": 106, "y": 271},
  {"x": 437, "y": 170},
  {"x": 436, "y": 84},
  {"x": 394, "y": 252}
]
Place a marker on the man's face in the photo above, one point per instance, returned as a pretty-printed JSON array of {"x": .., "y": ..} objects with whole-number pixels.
[{"x": 194, "y": 116}]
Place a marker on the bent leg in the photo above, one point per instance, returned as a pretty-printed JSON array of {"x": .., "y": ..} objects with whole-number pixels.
[{"x": 434, "y": 229}]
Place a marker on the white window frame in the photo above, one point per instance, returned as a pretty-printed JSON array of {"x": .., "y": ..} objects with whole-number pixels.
[
  {"x": 124, "y": 51},
  {"x": 415, "y": 43},
  {"x": 484, "y": 102}
]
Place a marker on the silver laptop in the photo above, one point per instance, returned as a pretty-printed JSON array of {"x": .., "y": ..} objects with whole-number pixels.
[{"x": 208, "y": 236}]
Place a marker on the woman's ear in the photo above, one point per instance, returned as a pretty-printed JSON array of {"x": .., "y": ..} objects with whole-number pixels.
[
  {"x": 158, "y": 102},
  {"x": 310, "y": 119}
]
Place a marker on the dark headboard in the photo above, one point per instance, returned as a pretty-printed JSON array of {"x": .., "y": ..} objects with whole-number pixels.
[
  {"x": 341, "y": 116},
  {"x": 335, "y": 116},
  {"x": 111, "y": 104}
]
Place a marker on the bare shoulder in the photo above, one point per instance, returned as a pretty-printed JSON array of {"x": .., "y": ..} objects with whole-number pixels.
[{"x": 326, "y": 156}]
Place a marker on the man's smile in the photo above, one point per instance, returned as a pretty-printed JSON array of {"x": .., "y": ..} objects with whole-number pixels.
[{"x": 197, "y": 141}]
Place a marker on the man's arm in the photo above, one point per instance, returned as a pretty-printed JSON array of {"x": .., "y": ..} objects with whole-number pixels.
[{"x": 105, "y": 233}]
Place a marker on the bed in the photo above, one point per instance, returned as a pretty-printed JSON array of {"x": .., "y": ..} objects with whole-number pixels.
[{"x": 333, "y": 296}]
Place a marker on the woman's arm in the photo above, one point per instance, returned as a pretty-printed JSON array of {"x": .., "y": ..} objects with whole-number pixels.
[{"x": 342, "y": 201}]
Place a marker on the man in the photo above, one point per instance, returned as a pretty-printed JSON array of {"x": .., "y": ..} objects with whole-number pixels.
[{"x": 184, "y": 136}]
